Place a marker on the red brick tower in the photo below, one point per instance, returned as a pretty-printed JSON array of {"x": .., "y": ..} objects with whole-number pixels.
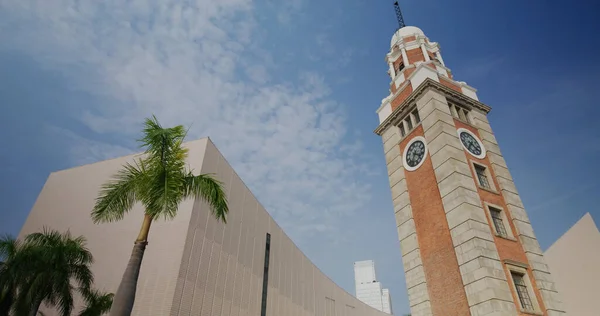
[{"x": 467, "y": 244}]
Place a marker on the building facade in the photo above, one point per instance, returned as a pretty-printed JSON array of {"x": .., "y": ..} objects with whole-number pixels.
[
  {"x": 368, "y": 289},
  {"x": 574, "y": 260},
  {"x": 194, "y": 265},
  {"x": 467, "y": 244}
]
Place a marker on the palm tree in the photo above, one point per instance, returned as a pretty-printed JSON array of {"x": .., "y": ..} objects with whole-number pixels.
[
  {"x": 70, "y": 261},
  {"x": 159, "y": 181},
  {"x": 43, "y": 269},
  {"x": 97, "y": 303},
  {"x": 9, "y": 248}
]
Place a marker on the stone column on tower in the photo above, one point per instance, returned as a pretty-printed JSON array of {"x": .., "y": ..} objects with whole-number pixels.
[{"x": 467, "y": 244}]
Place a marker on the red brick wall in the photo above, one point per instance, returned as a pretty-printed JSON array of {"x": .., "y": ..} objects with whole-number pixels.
[
  {"x": 408, "y": 72},
  {"x": 450, "y": 85},
  {"x": 507, "y": 249},
  {"x": 402, "y": 96},
  {"x": 444, "y": 282},
  {"x": 415, "y": 55}
]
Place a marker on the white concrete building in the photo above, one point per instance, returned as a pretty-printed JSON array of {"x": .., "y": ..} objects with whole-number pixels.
[
  {"x": 574, "y": 260},
  {"x": 368, "y": 289},
  {"x": 194, "y": 264}
]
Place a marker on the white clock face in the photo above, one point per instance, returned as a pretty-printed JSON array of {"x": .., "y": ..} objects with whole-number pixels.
[
  {"x": 415, "y": 153},
  {"x": 471, "y": 143}
]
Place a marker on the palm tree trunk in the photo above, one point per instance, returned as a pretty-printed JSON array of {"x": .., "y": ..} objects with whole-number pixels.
[{"x": 125, "y": 296}]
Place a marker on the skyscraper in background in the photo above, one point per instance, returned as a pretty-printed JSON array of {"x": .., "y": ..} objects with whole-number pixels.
[
  {"x": 368, "y": 289},
  {"x": 386, "y": 301}
]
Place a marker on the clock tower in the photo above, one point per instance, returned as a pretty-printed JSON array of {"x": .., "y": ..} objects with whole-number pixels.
[{"x": 467, "y": 244}]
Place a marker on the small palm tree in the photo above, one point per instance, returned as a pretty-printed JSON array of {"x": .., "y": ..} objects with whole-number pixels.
[
  {"x": 97, "y": 303},
  {"x": 42, "y": 269},
  {"x": 70, "y": 261},
  {"x": 160, "y": 182}
]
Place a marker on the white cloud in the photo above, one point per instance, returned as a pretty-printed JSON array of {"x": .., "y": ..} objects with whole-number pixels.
[{"x": 187, "y": 64}]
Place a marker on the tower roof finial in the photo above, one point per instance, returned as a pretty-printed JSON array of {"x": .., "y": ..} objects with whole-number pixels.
[{"x": 399, "y": 15}]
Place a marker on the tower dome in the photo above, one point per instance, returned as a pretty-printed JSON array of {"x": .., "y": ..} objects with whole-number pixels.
[{"x": 405, "y": 31}]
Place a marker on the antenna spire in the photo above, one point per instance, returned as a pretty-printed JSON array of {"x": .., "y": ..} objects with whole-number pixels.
[{"x": 399, "y": 15}]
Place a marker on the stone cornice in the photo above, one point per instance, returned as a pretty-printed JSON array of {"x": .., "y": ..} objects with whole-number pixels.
[
  {"x": 516, "y": 263},
  {"x": 423, "y": 87}
]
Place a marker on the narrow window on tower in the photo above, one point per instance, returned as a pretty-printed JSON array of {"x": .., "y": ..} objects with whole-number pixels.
[
  {"x": 459, "y": 112},
  {"x": 466, "y": 115},
  {"x": 409, "y": 123},
  {"x": 522, "y": 287},
  {"x": 522, "y": 291},
  {"x": 263, "y": 308},
  {"x": 402, "y": 129},
  {"x": 482, "y": 177},
  {"x": 452, "y": 110},
  {"x": 461, "y": 115},
  {"x": 498, "y": 221},
  {"x": 415, "y": 114}
]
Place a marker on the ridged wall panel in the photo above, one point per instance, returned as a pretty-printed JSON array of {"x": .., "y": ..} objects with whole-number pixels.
[{"x": 235, "y": 265}]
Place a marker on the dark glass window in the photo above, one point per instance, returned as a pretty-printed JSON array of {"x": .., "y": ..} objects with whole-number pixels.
[
  {"x": 498, "y": 222},
  {"x": 482, "y": 177},
  {"x": 400, "y": 67},
  {"x": 263, "y": 307},
  {"x": 522, "y": 291}
]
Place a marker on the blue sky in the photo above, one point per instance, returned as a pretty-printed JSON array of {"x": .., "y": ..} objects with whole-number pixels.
[{"x": 288, "y": 91}]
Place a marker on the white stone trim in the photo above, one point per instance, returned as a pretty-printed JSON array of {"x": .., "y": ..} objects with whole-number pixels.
[
  {"x": 425, "y": 53},
  {"x": 421, "y": 74},
  {"x": 439, "y": 56},
  {"x": 415, "y": 139},
  {"x": 523, "y": 271},
  {"x": 384, "y": 111},
  {"x": 483, "y": 150},
  {"x": 399, "y": 79},
  {"x": 469, "y": 91},
  {"x": 404, "y": 57}
]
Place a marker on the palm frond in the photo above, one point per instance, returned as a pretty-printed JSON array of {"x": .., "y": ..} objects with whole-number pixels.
[
  {"x": 97, "y": 303},
  {"x": 164, "y": 193},
  {"x": 118, "y": 196},
  {"x": 8, "y": 246},
  {"x": 161, "y": 143},
  {"x": 209, "y": 189},
  {"x": 65, "y": 299}
]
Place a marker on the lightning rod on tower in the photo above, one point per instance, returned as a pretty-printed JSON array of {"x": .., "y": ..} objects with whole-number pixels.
[{"x": 399, "y": 15}]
